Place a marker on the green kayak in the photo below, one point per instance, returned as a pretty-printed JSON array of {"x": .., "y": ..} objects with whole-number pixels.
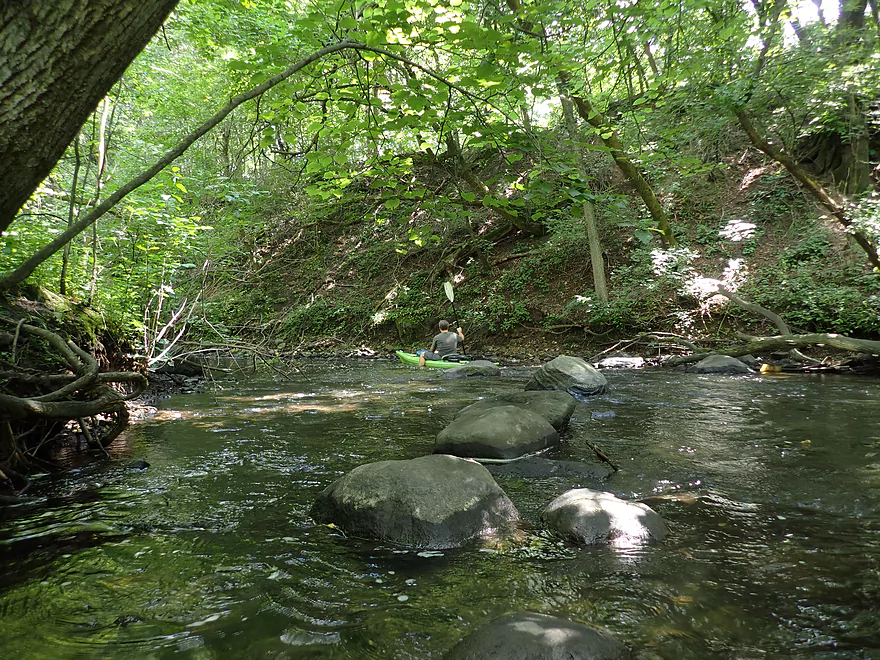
[{"x": 412, "y": 358}]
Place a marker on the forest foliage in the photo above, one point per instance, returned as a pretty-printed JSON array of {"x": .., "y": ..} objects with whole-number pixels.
[{"x": 475, "y": 141}]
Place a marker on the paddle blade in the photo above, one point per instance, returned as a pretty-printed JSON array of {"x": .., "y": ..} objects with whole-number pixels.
[{"x": 447, "y": 286}]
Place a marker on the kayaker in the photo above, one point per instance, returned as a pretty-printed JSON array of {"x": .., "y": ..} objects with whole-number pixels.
[{"x": 445, "y": 343}]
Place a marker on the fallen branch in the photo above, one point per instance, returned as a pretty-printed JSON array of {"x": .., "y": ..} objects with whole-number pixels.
[
  {"x": 757, "y": 309},
  {"x": 645, "y": 338},
  {"x": 762, "y": 344},
  {"x": 602, "y": 456}
]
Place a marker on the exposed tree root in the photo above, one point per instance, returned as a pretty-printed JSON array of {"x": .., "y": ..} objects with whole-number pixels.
[{"x": 38, "y": 408}]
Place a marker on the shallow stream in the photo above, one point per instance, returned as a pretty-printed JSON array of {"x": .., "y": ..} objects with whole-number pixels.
[{"x": 770, "y": 487}]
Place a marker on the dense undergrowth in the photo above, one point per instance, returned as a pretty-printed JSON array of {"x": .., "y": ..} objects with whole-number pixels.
[{"x": 342, "y": 270}]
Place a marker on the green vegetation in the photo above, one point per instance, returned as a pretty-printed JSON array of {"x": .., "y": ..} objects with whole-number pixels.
[{"x": 406, "y": 142}]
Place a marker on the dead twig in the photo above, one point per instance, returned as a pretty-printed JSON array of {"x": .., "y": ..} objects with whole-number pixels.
[{"x": 602, "y": 455}]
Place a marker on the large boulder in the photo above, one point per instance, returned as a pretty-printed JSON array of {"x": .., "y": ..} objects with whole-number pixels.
[
  {"x": 531, "y": 636},
  {"x": 428, "y": 502},
  {"x": 471, "y": 369},
  {"x": 555, "y": 407},
  {"x": 569, "y": 374},
  {"x": 719, "y": 364},
  {"x": 593, "y": 517},
  {"x": 500, "y": 433}
]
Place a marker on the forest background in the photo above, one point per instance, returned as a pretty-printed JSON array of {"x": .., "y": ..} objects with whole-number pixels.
[{"x": 301, "y": 175}]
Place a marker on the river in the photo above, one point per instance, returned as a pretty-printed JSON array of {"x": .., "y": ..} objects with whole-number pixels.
[{"x": 770, "y": 487}]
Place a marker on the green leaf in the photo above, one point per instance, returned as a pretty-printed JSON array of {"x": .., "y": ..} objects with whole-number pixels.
[{"x": 643, "y": 236}]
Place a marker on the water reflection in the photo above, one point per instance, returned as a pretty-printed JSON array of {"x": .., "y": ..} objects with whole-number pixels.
[{"x": 774, "y": 547}]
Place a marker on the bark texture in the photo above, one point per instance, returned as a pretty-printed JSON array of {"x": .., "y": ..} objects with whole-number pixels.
[{"x": 57, "y": 61}]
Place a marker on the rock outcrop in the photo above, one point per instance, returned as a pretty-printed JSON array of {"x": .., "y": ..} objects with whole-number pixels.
[
  {"x": 719, "y": 364},
  {"x": 430, "y": 502},
  {"x": 502, "y": 432},
  {"x": 593, "y": 517},
  {"x": 477, "y": 368},
  {"x": 568, "y": 374},
  {"x": 555, "y": 407}
]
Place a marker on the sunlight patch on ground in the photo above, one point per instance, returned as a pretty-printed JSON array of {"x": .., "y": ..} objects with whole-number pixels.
[
  {"x": 738, "y": 230},
  {"x": 751, "y": 175},
  {"x": 675, "y": 264}
]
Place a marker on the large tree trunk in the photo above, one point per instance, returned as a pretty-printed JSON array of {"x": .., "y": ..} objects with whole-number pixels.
[{"x": 57, "y": 61}]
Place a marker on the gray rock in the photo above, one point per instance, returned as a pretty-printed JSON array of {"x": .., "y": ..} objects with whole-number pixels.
[
  {"x": 569, "y": 374},
  {"x": 471, "y": 369},
  {"x": 593, "y": 517},
  {"x": 750, "y": 361},
  {"x": 555, "y": 407},
  {"x": 531, "y": 636},
  {"x": 501, "y": 432},
  {"x": 719, "y": 364},
  {"x": 428, "y": 502}
]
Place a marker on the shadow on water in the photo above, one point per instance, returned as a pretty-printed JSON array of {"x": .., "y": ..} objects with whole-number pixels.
[{"x": 770, "y": 488}]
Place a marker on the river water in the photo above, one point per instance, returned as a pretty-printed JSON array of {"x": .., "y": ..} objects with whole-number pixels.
[{"x": 770, "y": 487}]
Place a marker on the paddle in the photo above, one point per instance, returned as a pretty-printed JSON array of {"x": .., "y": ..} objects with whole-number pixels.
[{"x": 450, "y": 293}]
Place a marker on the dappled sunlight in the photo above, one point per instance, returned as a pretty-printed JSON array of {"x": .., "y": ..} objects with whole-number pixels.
[
  {"x": 704, "y": 288},
  {"x": 752, "y": 175},
  {"x": 629, "y": 524},
  {"x": 738, "y": 230},
  {"x": 550, "y": 637}
]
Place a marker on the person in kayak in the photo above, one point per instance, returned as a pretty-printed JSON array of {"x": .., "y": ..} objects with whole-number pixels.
[{"x": 445, "y": 343}]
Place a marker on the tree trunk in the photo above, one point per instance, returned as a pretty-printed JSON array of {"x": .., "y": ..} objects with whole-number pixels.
[
  {"x": 57, "y": 61},
  {"x": 835, "y": 208},
  {"x": 597, "y": 261},
  {"x": 609, "y": 137}
]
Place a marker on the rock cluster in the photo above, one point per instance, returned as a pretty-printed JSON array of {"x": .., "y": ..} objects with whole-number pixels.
[{"x": 449, "y": 500}]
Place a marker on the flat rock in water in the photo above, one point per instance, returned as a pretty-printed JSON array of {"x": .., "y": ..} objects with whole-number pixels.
[
  {"x": 499, "y": 433},
  {"x": 621, "y": 363},
  {"x": 536, "y": 467},
  {"x": 431, "y": 502},
  {"x": 593, "y": 517},
  {"x": 719, "y": 364},
  {"x": 476, "y": 368},
  {"x": 555, "y": 407},
  {"x": 531, "y": 636},
  {"x": 568, "y": 374}
]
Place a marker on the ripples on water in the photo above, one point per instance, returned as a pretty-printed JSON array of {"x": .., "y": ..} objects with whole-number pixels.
[{"x": 769, "y": 486}]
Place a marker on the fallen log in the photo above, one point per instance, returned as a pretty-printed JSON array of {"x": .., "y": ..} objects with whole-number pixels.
[{"x": 762, "y": 344}]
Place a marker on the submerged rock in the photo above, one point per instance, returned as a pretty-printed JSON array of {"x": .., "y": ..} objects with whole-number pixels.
[
  {"x": 471, "y": 369},
  {"x": 537, "y": 467},
  {"x": 429, "y": 502},
  {"x": 502, "y": 432},
  {"x": 555, "y": 407},
  {"x": 594, "y": 517},
  {"x": 531, "y": 636},
  {"x": 568, "y": 374},
  {"x": 719, "y": 364}
]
